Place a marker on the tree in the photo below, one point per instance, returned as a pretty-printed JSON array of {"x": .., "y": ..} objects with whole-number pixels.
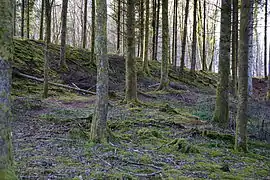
[
  {"x": 174, "y": 40},
  {"x": 22, "y": 21},
  {"x": 221, "y": 114},
  {"x": 146, "y": 38},
  {"x": 6, "y": 55},
  {"x": 156, "y": 31},
  {"x": 28, "y": 20},
  {"x": 118, "y": 24},
  {"x": 268, "y": 82},
  {"x": 142, "y": 42},
  {"x": 184, "y": 40},
  {"x": 165, "y": 47},
  {"x": 154, "y": 18},
  {"x": 62, "y": 63},
  {"x": 234, "y": 46},
  {"x": 194, "y": 40},
  {"x": 41, "y": 20},
  {"x": 131, "y": 74},
  {"x": 204, "y": 67},
  {"x": 241, "y": 119},
  {"x": 84, "y": 24},
  {"x": 99, "y": 131},
  {"x": 93, "y": 31},
  {"x": 265, "y": 39},
  {"x": 48, "y": 7}
]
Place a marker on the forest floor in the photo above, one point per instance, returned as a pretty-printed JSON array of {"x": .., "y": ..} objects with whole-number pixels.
[{"x": 169, "y": 135}]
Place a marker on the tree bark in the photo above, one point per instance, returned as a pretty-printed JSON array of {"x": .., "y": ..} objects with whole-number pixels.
[
  {"x": 204, "y": 67},
  {"x": 99, "y": 122},
  {"x": 28, "y": 20},
  {"x": 164, "y": 81},
  {"x": 131, "y": 74},
  {"x": 154, "y": 17},
  {"x": 93, "y": 36},
  {"x": 22, "y": 21},
  {"x": 234, "y": 47},
  {"x": 146, "y": 39},
  {"x": 184, "y": 40},
  {"x": 174, "y": 43},
  {"x": 62, "y": 63},
  {"x": 265, "y": 39},
  {"x": 84, "y": 25},
  {"x": 241, "y": 118},
  {"x": 194, "y": 40},
  {"x": 118, "y": 25},
  {"x": 157, "y": 30},
  {"x": 221, "y": 114},
  {"x": 142, "y": 29},
  {"x": 6, "y": 55},
  {"x": 41, "y": 20}
]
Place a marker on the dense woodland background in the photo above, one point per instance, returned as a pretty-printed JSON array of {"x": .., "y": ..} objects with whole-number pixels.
[{"x": 134, "y": 89}]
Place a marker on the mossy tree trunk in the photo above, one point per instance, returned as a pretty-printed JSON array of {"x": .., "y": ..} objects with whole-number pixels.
[
  {"x": 48, "y": 6},
  {"x": 84, "y": 25},
  {"x": 62, "y": 63},
  {"x": 241, "y": 119},
  {"x": 131, "y": 71},
  {"x": 194, "y": 38},
  {"x": 41, "y": 20},
  {"x": 99, "y": 123},
  {"x": 93, "y": 31},
  {"x": 146, "y": 39},
  {"x": 164, "y": 81},
  {"x": 184, "y": 40},
  {"x": 234, "y": 47},
  {"x": 6, "y": 55},
  {"x": 221, "y": 114}
]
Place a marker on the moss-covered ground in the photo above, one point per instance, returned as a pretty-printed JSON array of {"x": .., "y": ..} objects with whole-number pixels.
[{"x": 168, "y": 136}]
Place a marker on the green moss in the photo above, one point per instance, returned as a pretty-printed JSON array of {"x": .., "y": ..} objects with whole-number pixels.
[
  {"x": 145, "y": 133},
  {"x": 219, "y": 136},
  {"x": 183, "y": 146},
  {"x": 216, "y": 153},
  {"x": 7, "y": 174}
]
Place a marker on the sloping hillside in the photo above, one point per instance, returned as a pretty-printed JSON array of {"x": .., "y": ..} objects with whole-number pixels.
[{"x": 168, "y": 136}]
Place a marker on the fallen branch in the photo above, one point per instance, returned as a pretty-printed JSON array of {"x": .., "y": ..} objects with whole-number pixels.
[{"x": 52, "y": 83}]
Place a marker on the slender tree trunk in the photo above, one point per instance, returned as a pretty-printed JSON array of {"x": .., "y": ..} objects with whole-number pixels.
[
  {"x": 204, "y": 37},
  {"x": 234, "y": 46},
  {"x": 123, "y": 27},
  {"x": 41, "y": 20},
  {"x": 241, "y": 119},
  {"x": 268, "y": 82},
  {"x": 131, "y": 74},
  {"x": 146, "y": 38},
  {"x": 62, "y": 63},
  {"x": 265, "y": 40},
  {"x": 221, "y": 114},
  {"x": 118, "y": 25},
  {"x": 157, "y": 29},
  {"x": 48, "y": 6},
  {"x": 22, "y": 16},
  {"x": 99, "y": 131},
  {"x": 184, "y": 40},
  {"x": 250, "y": 48},
  {"x": 154, "y": 18},
  {"x": 142, "y": 29},
  {"x": 93, "y": 31},
  {"x": 14, "y": 18},
  {"x": 6, "y": 55},
  {"x": 28, "y": 20},
  {"x": 174, "y": 43},
  {"x": 85, "y": 24},
  {"x": 165, "y": 47},
  {"x": 194, "y": 41}
]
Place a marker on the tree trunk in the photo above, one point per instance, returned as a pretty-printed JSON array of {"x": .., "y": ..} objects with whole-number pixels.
[
  {"x": 165, "y": 47},
  {"x": 6, "y": 55},
  {"x": 99, "y": 123},
  {"x": 194, "y": 40},
  {"x": 146, "y": 39},
  {"x": 41, "y": 20},
  {"x": 154, "y": 11},
  {"x": 265, "y": 40},
  {"x": 142, "y": 29},
  {"x": 131, "y": 74},
  {"x": 184, "y": 40},
  {"x": 241, "y": 119},
  {"x": 234, "y": 47},
  {"x": 14, "y": 18},
  {"x": 174, "y": 44},
  {"x": 268, "y": 82},
  {"x": 28, "y": 20},
  {"x": 22, "y": 22},
  {"x": 62, "y": 63},
  {"x": 221, "y": 115},
  {"x": 118, "y": 25},
  {"x": 204, "y": 67},
  {"x": 157, "y": 30},
  {"x": 48, "y": 6},
  {"x": 93, "y": 36},
  {"x": 84, "y": 24},
  {"x": 250, "y": 49}
]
